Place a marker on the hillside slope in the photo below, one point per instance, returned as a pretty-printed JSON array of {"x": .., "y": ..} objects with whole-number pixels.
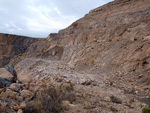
[
  {"x": 102, "y": 61},
  {"x": 113, "y": 37}
]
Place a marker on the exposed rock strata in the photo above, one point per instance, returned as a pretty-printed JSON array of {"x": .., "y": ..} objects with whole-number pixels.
[
  {"x": 13, "y": 45},
  {"x": 105, "y": 55},
  {"x": 111, "y": 37}
]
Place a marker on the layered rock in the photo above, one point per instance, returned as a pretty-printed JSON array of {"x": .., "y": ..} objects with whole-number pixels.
[
  {"x": 105, "y": 55},
  {"x": 110, "y": 38},
  {"x": 13, "y": 45}
]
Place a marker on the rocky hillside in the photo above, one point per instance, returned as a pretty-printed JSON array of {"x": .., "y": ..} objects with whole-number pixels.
[
  {"x": 111, "y": 37},
  {"x": 12, "y": 45},
  {"x": 101, "y": 61}
]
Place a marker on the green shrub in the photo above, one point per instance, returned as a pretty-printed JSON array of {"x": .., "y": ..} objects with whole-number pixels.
[{"x": 146, "y": 110}]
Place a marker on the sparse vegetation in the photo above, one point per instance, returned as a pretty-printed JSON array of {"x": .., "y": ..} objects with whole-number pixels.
[
  {"x": 49, "y": 100},
  {"x": 69, "y": 88},
  {"x": 131, "y": 101},
  {"x": 132, "y": 70},
  {"x": 146, "y": 110},
  {"x": 115, "y": 100}
]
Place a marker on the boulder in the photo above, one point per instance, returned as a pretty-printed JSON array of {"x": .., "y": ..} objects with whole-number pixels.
[
  {"x": 5, "y": 77},
  {"x": 23, "y": 105},
  {"x": 15, "y": 87},
  {"x": 20, "y": 107},
  {"x": 19, "y": 98},
  {"x": 9, "y": 94}
]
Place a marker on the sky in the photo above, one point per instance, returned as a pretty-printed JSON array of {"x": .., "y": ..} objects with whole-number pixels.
[{"x": 39, "y": 18}]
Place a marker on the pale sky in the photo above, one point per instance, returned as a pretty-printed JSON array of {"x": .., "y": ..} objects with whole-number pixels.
[{"x": 39, "y": 18}]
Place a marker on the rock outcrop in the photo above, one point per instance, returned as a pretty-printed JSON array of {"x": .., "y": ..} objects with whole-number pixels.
[
  {"x": 110, "y": 38},
  {"x": 13, "y": 45},
  {"x": 5, "y": 77},
  {"x": 104, "y": 58}
]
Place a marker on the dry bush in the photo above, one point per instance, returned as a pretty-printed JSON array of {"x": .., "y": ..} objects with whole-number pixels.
[{"x": 49, "y": 100}]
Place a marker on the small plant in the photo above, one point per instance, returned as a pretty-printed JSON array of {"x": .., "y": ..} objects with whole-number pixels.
[
  {"x": 87, "y": 98},
  {"x": 69, "y": 88},
  {"x": 132, "y": 70},
  {"x": 131, "y": 101},
  {"x": 115, "y": 100},
  {"x": 146, "y": 110}
]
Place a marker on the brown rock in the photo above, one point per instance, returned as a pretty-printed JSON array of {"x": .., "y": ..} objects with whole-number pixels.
[
  {"x": 26, "y": 85},
  {"x": 89, "y": 82},
  {"x": 13, "y": 45},
  {"x": 15, "y": 87},
  {"x": 19, "y": 98},
  {"x": 24, "y": 77},
  {"x": 65, "y": 104},
  {"x": 17, "y": 107},
  {"x": 23, "y": 105},
  {"x": 147, "y": 38},
  {"x": 2, "y": 90},
  {"x": 58, "y": 79},
  {"x": 31, "y": 86},
  {"x": 26, "y": 94},
  {"x": 36, "y": 88},
  {"x": 9, "y": 94},
  {"x": 42, "y": 83},
  {"x": 20, "y": 111},
  {"x": 6, "y": 75},
  {"x": 51, "y": 79}
]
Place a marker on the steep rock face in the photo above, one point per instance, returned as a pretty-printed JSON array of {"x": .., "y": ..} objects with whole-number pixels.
[
  {"x": 110, "y": 38},
  {"x": 12, "y": 45}
]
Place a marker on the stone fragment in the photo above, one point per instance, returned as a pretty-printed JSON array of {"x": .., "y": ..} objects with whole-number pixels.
[
  {"x": 9, "y": 94},
  {"x": 20, "y": 111},
  {"x": 17, "y": 107},
  {"x": 58, "y": 79},
  {"x": 26, "y": 94},
  {"x": 15, "y": 87}
]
